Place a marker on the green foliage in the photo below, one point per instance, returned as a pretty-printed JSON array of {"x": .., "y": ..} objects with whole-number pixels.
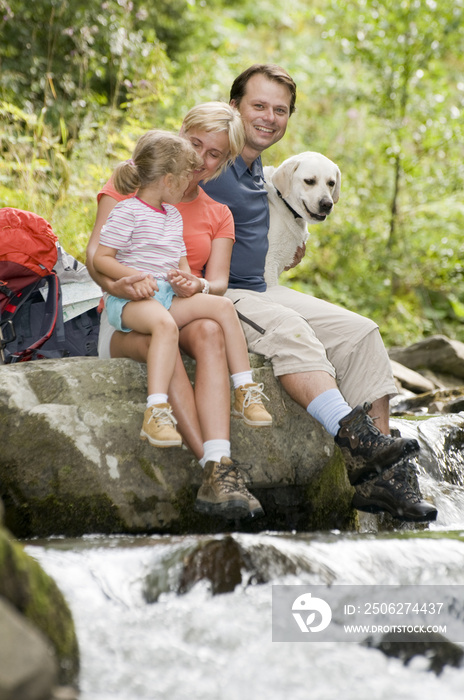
[{"x": 380, "y": 91}]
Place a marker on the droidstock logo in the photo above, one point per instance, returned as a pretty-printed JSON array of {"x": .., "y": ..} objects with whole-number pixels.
[{"x": 316, "y": 611}]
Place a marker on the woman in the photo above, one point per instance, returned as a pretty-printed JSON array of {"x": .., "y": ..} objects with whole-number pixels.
[{"x": 216, "y": 133}]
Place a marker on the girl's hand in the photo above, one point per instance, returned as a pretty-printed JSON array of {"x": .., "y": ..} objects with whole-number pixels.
[
  {"x": 144, "y": 289},
  {"x": 184, "y": 283},
  {"x": 125, "y": 287}
]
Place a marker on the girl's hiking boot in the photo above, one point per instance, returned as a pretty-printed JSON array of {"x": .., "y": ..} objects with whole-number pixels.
[
  {"x": 391, "y": 491},
  {"x": 248, "y": 404},
  {"x": 367, "y": 451},
  {"x": 159, "y": 426}
]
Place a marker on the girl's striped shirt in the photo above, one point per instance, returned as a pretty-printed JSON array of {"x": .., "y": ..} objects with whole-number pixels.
[{"x": 147, "y": 239}]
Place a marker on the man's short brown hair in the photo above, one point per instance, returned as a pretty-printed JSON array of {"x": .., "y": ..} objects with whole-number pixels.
[{"x": 269, "y": 70}]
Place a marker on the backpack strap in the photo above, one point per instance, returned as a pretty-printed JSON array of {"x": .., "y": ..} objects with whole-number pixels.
[
  {"x": 5, "y": 290},
  {"x": 15, "y": 300},
  {"x": 49, "y": 323}
]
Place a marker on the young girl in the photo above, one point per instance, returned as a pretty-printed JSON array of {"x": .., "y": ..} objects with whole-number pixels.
[{"x": 144, "y": 233}]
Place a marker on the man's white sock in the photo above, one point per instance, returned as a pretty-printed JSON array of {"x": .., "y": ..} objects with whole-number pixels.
[
  {"x": 329, "y": 408},
  {"x": 241, "y": 378},
  {"x": 214, "y": 450}
]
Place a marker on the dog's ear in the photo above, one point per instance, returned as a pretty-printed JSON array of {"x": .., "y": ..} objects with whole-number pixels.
[
  {"x": 282, "y": 178},
  {"x": 338, "y": 183}
]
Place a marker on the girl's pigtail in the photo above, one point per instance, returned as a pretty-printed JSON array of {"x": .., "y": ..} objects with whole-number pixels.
[{"x": 126, "y": 177}]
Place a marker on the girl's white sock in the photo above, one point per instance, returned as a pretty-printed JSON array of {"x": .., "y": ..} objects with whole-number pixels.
[
  {"x": 156, "y": 398},
  {"x": 241, "y": 378}
]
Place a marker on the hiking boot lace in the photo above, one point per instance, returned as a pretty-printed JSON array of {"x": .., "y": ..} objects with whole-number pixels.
[
  {"x": 162, "y": 416},
  {"x": 365, "y": 429},
  {"x": 227, "y": 476},
  {"x": 241, "y": 478},
  {"x": 398, "y": 476},
  {"x": 254, "y": 394}
]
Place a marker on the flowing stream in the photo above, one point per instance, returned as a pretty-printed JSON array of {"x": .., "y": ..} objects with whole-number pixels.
[{"x": 140, "y": 639}]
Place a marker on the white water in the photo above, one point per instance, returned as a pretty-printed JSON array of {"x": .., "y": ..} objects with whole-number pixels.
[
  {"x": 184, "y": 647},
  {"x": 220, "y": 648}
]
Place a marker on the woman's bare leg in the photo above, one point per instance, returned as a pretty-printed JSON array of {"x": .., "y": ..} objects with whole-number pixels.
[
  {"x": 221, "y": 310},
  {"x": 204, "y": 341}
]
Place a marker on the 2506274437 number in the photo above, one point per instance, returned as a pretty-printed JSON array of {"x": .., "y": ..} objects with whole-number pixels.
[{"x": 402, "y": 608}]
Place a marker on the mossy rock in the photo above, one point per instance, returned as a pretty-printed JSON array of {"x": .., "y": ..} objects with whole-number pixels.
[{"x": 33, "y": 593}]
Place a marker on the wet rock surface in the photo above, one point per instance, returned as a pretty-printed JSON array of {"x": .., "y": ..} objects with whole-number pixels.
[
  {"x": 439, "y": 651},
  {"x": 38, "y": 644}
]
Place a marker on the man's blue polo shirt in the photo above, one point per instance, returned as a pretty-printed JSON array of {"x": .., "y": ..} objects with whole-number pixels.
[{"x": 241, "y": 188}]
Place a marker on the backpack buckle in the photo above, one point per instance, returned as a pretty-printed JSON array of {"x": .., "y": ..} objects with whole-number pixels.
[
  {"x": 9, "y": 336},
  {"x": 4, "y": 289}
]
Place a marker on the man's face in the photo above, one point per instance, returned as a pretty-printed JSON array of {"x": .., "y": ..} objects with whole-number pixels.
[{"x": 265, "y": 110}]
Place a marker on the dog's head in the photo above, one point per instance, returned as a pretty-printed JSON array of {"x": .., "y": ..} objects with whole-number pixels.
[{"x": 310, "y": 183}]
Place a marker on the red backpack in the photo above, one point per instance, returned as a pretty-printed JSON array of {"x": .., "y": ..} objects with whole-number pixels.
[{"x": 29, "y": 289}]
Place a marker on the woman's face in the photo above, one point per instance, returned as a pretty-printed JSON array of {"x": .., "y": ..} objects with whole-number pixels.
[{"x": 212, "y": 147}]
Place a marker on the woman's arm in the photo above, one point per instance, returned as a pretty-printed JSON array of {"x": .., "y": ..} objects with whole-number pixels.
[
  {"x": 217, "y": 272},
  {"x": 104, "y": 207},
  {"x": 124, "y": 286},
  {"x": 218, "y": 265}
]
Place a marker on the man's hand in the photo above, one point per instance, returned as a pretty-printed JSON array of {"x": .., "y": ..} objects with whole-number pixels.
[
  {"x": 134, "y": 287},
  {"x": 298, "y": 257},
  {"x": 184, "y": 283}
]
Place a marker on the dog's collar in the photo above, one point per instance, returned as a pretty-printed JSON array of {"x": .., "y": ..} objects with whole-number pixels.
[{"x": 295, "y": 213}]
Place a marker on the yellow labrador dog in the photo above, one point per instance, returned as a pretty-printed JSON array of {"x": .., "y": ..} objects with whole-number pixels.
[{"x": 301, "y": 191}]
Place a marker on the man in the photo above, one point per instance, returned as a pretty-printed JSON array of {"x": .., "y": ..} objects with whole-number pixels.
[{"x": 328, "y": 359}]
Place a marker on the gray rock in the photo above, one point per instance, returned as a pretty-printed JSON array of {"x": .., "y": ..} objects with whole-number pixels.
[
  {"x": 218, "y": 561},
  {"x": 431, "y": 402},
  {"x": 36, "y": 597},
  {"x": 72, "y": 461},
  {"x": 439, "y": 651},
  {"x": 225, "y": 563},
  {"x": 438, "y": 353},
  {"x": 411, "y": 380},
  {"x": 28, "y": 666}
]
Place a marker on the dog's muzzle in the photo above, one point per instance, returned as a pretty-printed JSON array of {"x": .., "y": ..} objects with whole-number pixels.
[{"x": 325, "y": 207}]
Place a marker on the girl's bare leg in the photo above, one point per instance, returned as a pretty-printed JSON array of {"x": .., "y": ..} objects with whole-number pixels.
[
  {"x": 151, "y": 318},
  {"x": 204, "y": 341},
  {"x": 202, "y": 413},
  {"x": 221, "y": 310}
]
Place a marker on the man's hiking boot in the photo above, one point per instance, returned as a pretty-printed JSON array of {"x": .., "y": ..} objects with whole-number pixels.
[
  {"x": 159, "y": 426},
  {"x": 221, "y": 493},
  {"x": 367, "y": 451},
  {"x": 392, "y": 492},
  {"x": 248, "y": 404}
]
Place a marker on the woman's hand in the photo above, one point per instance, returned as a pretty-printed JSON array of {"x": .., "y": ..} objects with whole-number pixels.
[{"x": 184, "y": 283}]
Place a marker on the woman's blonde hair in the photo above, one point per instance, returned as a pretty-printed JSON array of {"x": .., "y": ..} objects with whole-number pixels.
[
  {"x": 218, "y": 117},
  {"x": 157, "y": 153}
]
